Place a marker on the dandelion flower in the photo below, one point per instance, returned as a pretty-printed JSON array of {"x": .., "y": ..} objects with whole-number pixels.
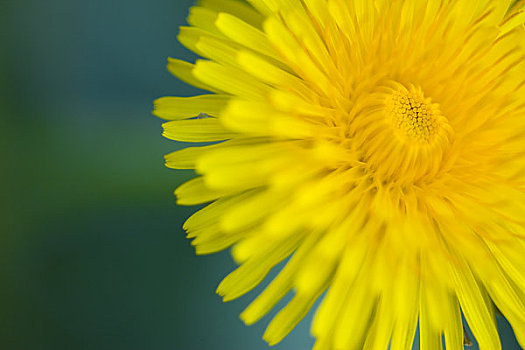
[{"x": 376, "y": 146}]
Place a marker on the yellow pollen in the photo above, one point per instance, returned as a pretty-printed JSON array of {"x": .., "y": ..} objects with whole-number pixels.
[{"x": 412, "y": 114}]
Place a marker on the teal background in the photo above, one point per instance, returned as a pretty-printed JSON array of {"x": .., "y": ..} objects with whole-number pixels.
[{"x": 91, "y": 251}]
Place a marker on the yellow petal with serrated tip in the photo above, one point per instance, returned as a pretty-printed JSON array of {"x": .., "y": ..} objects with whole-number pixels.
[
  {"x": 195, "y": 192},
  {"x": 184, "y": 71},
  {"x": 197, "y": 130},
  {"x": 173, "y": 108}
]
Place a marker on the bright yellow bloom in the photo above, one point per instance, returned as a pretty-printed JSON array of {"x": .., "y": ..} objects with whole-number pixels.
[{"x": 380, "y": 144}]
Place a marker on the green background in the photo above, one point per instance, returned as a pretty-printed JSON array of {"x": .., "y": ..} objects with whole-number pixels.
[{"x": 91, "y": 251}]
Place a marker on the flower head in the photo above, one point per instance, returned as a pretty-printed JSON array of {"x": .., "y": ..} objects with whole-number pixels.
[{"x": 379, "y": 145}]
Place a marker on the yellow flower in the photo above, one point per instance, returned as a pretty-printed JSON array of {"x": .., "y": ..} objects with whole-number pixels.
[{"x": 380, "y": 144}]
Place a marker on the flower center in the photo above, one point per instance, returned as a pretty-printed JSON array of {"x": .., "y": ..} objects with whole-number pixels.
[
  {"x": 402, "y": 135},
  {"x": 412, "y": 115}
]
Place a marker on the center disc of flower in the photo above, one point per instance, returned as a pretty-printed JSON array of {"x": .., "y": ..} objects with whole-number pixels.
[
  {"x": 413, "y": 116},
  {"x": 403, "y": 136}
]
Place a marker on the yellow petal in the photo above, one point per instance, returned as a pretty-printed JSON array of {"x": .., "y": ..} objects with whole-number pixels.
[
  {"x": 406, "y": 306},
  {"x": 174, "y": 108},
  {"x": 476, "y": 309},
  {"x": 281, "y": 285},
  {"x": 429, "y": 334},
  {"x": 230, "y": 80},
  {"x": 184, "y": 71},
  {"x": 235, "y": 8},
  {"x": 327, "y": 315},
  {"x": 453, "y": 326},
  {"x": 381, "y": 329},
  {"x": 196, "y": 130},
  {"x": 289, "y": 317},
  {"x": 251, "y": 211},
  {"x": 212, "y": 213},
  {"x": 355, "y": 316},
  {"x": 195, "y": 192},
  {"x": 253, "y": 271},
  {"x": 242, "y": 33}
]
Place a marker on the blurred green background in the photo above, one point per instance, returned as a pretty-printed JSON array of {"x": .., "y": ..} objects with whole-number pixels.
[{"x": 92, "y": 255}]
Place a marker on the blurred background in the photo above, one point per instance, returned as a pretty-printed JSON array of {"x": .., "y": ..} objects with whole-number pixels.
[{"x": 92, "y": 255}]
